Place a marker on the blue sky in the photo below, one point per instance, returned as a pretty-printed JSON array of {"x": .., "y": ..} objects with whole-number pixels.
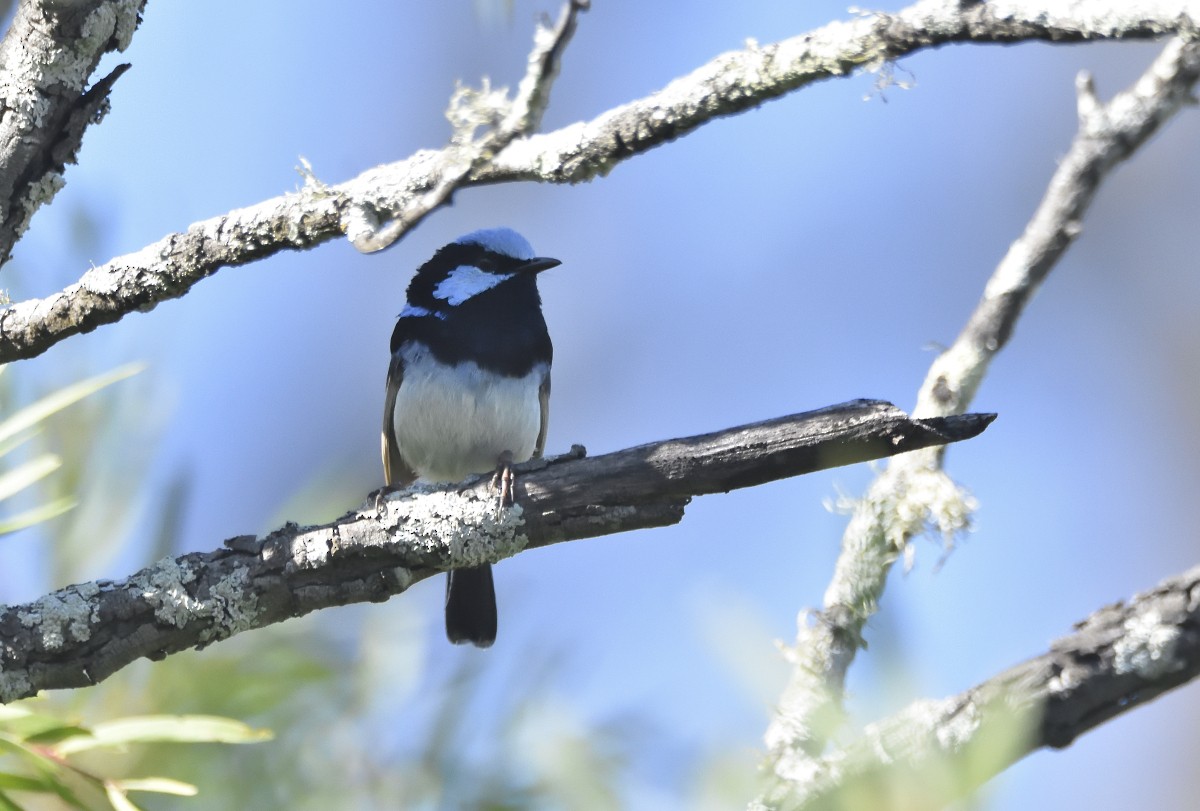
[{"x": 809, "y": 252}]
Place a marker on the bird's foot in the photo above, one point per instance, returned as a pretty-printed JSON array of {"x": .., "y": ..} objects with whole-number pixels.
[
  {"x": 502, "y": 481},
  {"x": 376, "y": 498}
]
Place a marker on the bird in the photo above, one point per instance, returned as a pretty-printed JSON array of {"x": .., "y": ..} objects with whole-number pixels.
[{"x": 468, "y": 386}]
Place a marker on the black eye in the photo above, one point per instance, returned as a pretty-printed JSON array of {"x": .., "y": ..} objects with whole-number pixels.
[{"x": 488, "y": 264}]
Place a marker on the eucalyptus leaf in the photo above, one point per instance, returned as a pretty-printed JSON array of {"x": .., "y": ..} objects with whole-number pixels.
[
  {"x": 12, "y": 443},
  {"x": 27, "y": 473},
  {"x": 36, "y": 515},
  {"x": 164, "y": 728},
  {"x": 50, "y": 770},
  {"x": 12, "y": 745},
  {"x": 56, "y": 401},
  {"x": 57, "y": 733},
  {"x": 11, "y": 711},
  {"x": 117, "y": 798},
  {"x": 160, "y": 785},
  {"x": 21, "y": 782}
]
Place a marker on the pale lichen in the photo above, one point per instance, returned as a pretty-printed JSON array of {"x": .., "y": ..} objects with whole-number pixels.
[
  {"x": 232, "y": 605},
  {"x": 14, "y": 685},
  {"x": 1148, "y": 648},
  {"x": 903, "y": 504},
  {"x": 472, "y": 109},
  {"x": 227, "y": 607},
  {"x": 929, "y": 501},
  {"x": 63, "y": 616},
  {"x": 41, "y": 191},
  {"x": 359, "y": 222},
  {"x": 164, "y": 586},
  {"x": 473, "y": 530},
  {"x": 128, "y": 15}
]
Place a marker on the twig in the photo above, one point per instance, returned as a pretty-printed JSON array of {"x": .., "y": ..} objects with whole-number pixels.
[
  {"x": 82, "y": 634},
  {"x": 727, "y": 85},
  {"x": 913, "y": 488},
  {"x": 469, "y": 110},
  {"x": 1119, "y": 658}
]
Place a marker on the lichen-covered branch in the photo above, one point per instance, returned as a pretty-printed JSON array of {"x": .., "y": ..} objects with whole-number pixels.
[
  {"x": 47, "y": 58},
  {"x": 913, "y": 492},
  {"x": 82, "y": 634},
  {"x": 934, "y": 752},
  {"x": 729, "y": 84}
]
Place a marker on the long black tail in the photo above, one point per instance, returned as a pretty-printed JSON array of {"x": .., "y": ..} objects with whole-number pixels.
[{"x": 471, "y": 606}]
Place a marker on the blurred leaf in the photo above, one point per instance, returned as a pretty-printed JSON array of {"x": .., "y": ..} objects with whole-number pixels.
[
  {"x": 159, "y": 785},
  {"x": 6, "y": 803},
  {"x": 50, "y": 770},
  {"x": 54, "y": 402},
  {"x": 36, "y": 515},
  {"x": 15, "y": 747},
  {"x": 164, "y": 728},
  {"x": 104, "y": 471},
  {"x": 12, "y": 443},
  {"x": 11, "y": 747},
  {"x": 20, "y": 782},
  {"x": 117, "y": 798},
  {"x": 25, "y": 474},
  {"x": 19, "y": 427},
  {"x": 10, "y": 711},
  {"x": 292, "y": 654},
  {"x": 56, "y": 734},
  {"x": 23, "y": 724}
]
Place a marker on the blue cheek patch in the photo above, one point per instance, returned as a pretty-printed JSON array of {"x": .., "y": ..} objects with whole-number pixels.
[{"x": 466, "y": 282}]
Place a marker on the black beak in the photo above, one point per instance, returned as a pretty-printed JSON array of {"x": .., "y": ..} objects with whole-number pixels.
[{"x": 538, "y": 264}]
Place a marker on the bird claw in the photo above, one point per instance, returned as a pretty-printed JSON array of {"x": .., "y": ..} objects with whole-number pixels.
[
  {"x": 377, "y": 499},
  {"x": 502, "y": 481}
]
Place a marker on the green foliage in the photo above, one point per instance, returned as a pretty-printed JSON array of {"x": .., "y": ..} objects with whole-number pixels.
[
  {"x": 159, "y": 728},
  {"x": 22, "y": 426},
  {"x": 39, "y": 755},
  {"x": 369, "y": 715}
]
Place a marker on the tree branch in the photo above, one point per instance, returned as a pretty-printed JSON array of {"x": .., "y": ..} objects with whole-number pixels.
[
  {"x": 913, "y": 490},
  {"x": 46, "y": 59},
  {"x": 84, "y": 633},
  {"x": 1119, "y": 658},
  {"x": 729, "y": 84}
]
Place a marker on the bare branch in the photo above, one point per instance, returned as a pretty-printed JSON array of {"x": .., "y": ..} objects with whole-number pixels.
[
  {"x": 1119, "y": 658},
  {"x": 729, "y": 84},
  {"x": 1108, "y": 134},
  {"x": 469, "y": 110},
  {"x": 82, "y": 634},
  {"x": 46, "y": 60},
  {"x": 913, "y": 485}
]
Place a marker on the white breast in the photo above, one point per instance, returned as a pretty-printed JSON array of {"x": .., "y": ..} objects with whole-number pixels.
[{"x": 452, "y": 421}]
